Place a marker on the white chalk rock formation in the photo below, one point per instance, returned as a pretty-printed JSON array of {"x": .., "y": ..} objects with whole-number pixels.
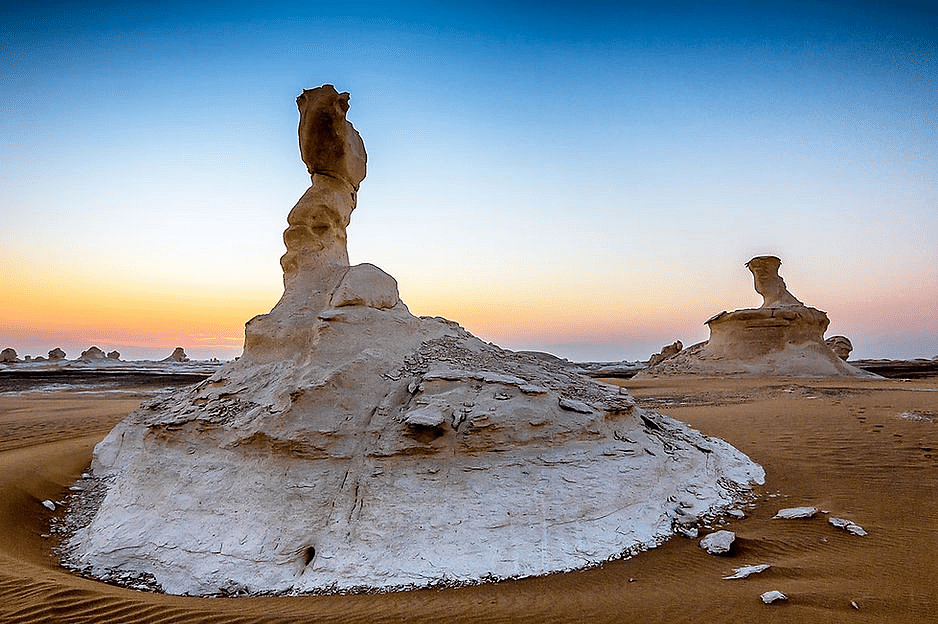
[
  {"x": 56, "y": 354},
  {"x": 113, "y": 355},
  {"x": 8, "y": 356},
  {"x": 783, "y": 337},
  {"x": 92, "y": 354},
  {"x": 178, "y": 355},
  {"x": 356, "y": 446}
]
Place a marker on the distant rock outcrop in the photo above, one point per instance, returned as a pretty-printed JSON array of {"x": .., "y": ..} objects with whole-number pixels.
[
  {"x": 355, "y": 446},
  {"x": 178, "y": 355},
  {"x": 8, "y": 356},
  {"x": 840, "y": 345},
  {"x": 783, "y": 337},
  {"x": 666, "y": 352},
  {"x": 113, "y": 355},
  {"x": 56, "y": 354},
  {"x": 92, "y": 354}
]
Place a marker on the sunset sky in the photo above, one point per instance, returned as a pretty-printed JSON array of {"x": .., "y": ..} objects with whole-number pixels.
[{"x": 584, "y": 178}]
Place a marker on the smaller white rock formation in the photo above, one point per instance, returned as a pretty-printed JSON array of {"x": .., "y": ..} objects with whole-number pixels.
[
  {"x": 792, "y": 513},
  {"x": 773, "y": 596},
  {"x": 56, "y": 354},
  {"x": 747, "y": 571},
  {"x": 8, "y": 356},
  {"x": 840, "y": 345},
  {"x": 718, "y": 542},
  {"x": 783, "y": 337},
  {"x": 113, "y": 355},
  {"x": 178, "y": 355},
  {"x": 92, "y": 354}
]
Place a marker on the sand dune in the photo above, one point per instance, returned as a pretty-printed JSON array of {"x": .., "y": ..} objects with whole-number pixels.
[{"x": 866, "y": 450}]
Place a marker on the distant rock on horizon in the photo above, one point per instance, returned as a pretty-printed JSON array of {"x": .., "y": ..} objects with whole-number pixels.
[
  {"x": 355, "y": 446},
  {"x": 783, "y": 337},
  {"x": 92, "y": 354},
  {"x": 178, "y": 355},
  {"x": 666, "y": 352},
  {"x": 8, "y": 356},
  {"x": 56, "y": 354},
  {"x": 840, "y": 345}
]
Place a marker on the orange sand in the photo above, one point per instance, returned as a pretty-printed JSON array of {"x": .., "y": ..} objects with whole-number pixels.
[{"x": 840, "y": 445}]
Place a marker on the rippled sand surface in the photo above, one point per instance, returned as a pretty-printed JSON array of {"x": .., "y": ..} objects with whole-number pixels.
[{"x": 865, "y": 450}]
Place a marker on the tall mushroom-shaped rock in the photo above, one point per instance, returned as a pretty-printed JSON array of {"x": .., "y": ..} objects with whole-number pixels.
[
  {"x": 782, "y": 337},
  {"x": 354, "y": 445}
]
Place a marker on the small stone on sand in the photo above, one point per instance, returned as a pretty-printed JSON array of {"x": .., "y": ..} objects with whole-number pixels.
[
  {"x": 771, "y": 596},
  {"x": 792, "y": 513},
  {"x": 745, "y": 571}
]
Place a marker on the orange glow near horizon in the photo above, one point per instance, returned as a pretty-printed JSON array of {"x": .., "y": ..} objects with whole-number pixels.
[
  {"x": 86, "y": 312},
  {"x": 42, "y": 313}
]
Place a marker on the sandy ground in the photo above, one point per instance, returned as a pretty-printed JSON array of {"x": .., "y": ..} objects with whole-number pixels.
[{"x": 863, "y": 450}]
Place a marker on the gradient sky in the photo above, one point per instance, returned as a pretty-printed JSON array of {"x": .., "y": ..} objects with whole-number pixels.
[{"x": 584, "y": 178}]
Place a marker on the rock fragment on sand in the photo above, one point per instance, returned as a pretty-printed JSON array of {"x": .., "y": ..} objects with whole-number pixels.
[
  {"x": 793, "y": 513},
  {"x": 718, "y": 542},
  {"x": 773, "y": 596},
  {"x": 48, "y": 505},
  {"x": 847, "y": 525},
  {"x": 746, "y": 571}
]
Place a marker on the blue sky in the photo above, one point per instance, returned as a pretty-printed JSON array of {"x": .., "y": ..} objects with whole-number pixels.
[{"x": 583, "y": 178}]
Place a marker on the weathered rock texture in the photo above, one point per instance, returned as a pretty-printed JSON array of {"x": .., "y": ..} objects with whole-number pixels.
[
  {"x": 8, "y": 356},
  {"x": 56, "y": 354},
  {"x": 840, "y": 345},
  {"x": 666, "y": 352},
  {"x": 783, "y": 337},
  {"x": 354, "y": 445}
]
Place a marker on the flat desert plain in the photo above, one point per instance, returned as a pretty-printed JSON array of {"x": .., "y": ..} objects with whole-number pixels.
[{"x": 864, "y": 450}]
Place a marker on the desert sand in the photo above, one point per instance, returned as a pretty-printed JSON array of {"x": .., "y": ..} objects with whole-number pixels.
[{"x": 864, "y": 450}]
